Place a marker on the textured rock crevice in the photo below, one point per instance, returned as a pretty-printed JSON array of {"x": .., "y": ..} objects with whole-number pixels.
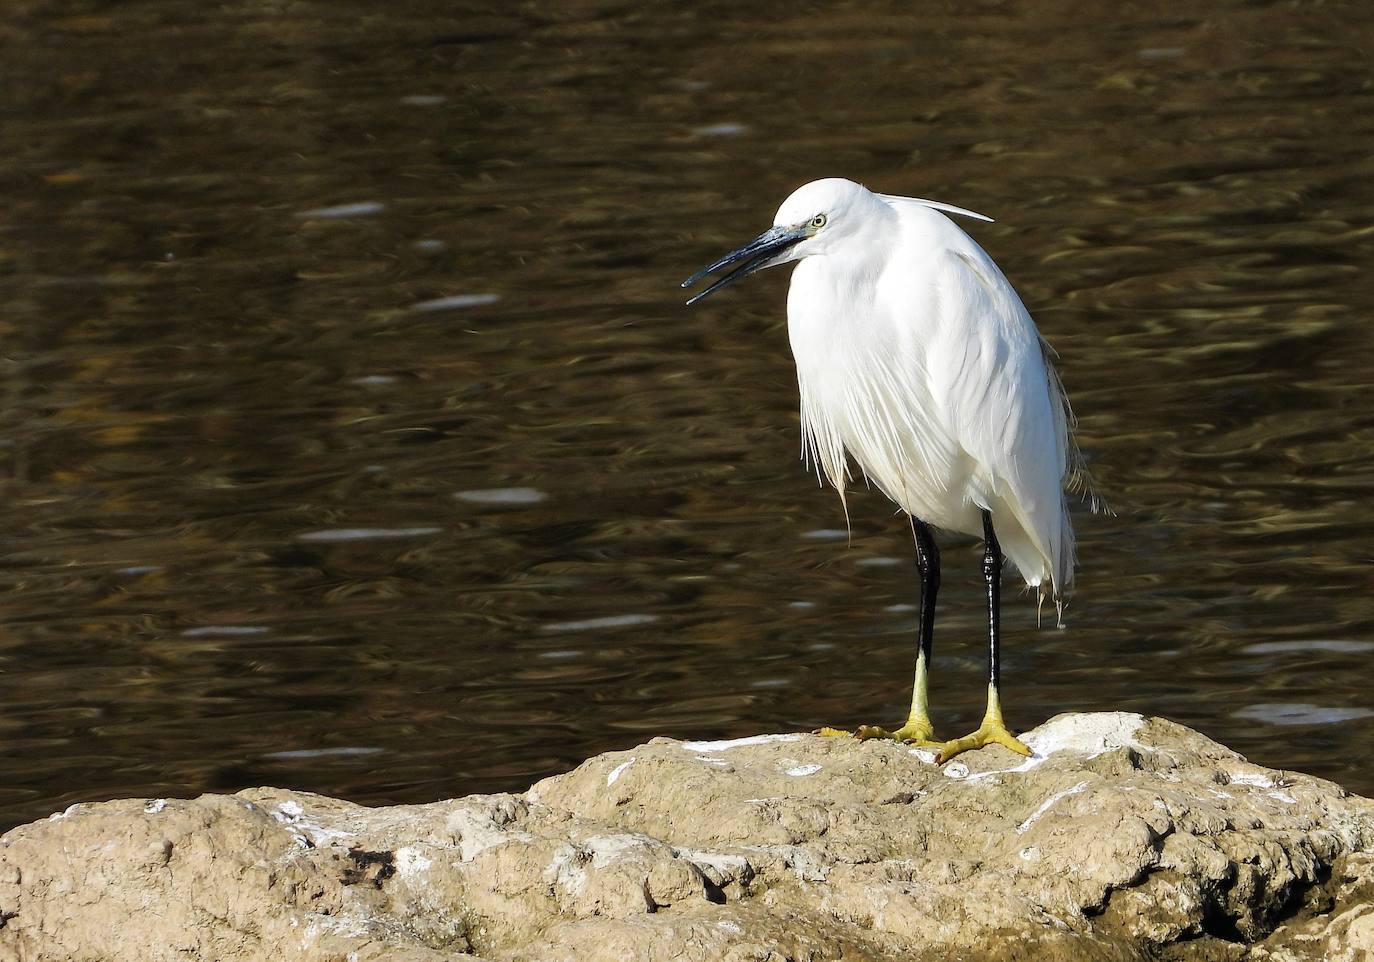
[{"x": 1122, "y": 838}]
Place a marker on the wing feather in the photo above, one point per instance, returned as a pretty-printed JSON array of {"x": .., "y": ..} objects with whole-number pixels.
[{"x": 1005, "y": 408}]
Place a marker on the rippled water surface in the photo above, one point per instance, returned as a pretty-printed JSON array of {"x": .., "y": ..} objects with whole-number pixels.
[{"x": 355, "y": 437}]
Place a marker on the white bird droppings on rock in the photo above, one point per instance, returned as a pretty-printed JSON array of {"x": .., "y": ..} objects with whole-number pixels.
[
  {"x": 726, "y": 745},
  {"x": 65, "y": 813},
  {"x": 476, "y": 831},
  {"x": 291, "y": 814},
  {"x": 1090, "y": 733},
  {"x": 801, "y": 771},
  {"x": 718, "y": 762},
  {"x": 1046, "y": 804},
  {"x": 565, "y": 870},
  {"x": 722, "y": 868},
  {"x": 606, "y": 849},
  {"x": 617, "y": 772},
  {"x": 410, "y": 861}
]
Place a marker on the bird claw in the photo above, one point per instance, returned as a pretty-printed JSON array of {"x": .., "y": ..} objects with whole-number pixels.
[
  {"x": 917, "y": 734},
  {"x": 987, "y": 734},
  {"x": 868, "y": 732}
]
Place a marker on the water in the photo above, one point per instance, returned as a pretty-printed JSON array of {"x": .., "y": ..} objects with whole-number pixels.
[{"x": 355, "y": 439}]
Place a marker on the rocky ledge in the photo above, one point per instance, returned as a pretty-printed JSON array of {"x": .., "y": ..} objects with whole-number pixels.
[{"x": 1121, "y": 838}]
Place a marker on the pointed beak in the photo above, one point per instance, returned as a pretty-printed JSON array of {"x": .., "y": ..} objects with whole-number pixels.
[{"x": 768, "y": 249}]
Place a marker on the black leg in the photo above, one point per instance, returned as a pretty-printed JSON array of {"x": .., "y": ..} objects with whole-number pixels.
[
  {"x": 928, "y": 564},
  {"x": 992, "y": 574},
  {"x": 917, "y": 727},
  {"x": 993, "y": 731}
]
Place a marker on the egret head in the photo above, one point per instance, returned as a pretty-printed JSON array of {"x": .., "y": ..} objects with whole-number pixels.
[{"x": 812, "y": 221}]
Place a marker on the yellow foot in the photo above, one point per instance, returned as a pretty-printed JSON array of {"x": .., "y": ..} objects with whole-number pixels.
[
  {"x": 829, "y": 732},
  {"x": 988, "y": 733},
  {"x": 912, "y": 733}
]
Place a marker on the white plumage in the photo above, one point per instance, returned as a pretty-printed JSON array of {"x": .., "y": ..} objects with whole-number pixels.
[{"x": 916, "y": 357}]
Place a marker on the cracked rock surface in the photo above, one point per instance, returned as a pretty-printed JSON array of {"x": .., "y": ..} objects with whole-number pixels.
[{"x": 1122, "y": 838}]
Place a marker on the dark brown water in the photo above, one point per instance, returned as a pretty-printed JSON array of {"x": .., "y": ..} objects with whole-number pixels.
[{"x": 355, "y": 439}]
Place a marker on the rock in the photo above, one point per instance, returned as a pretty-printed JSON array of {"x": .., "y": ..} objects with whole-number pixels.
[{"x": 1122, "y": 838}]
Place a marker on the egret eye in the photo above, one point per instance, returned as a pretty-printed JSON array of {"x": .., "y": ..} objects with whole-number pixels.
[{"x": 818, "y": 222}]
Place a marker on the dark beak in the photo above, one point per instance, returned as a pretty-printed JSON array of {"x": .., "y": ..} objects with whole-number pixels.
[{"x": 767, "y": 249}]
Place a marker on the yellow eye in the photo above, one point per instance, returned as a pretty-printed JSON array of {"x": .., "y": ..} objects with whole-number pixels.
[{"x": 818, "y": 222}]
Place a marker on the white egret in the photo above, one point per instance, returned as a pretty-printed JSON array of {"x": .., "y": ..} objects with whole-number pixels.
[{"x": 917, "y": 359}]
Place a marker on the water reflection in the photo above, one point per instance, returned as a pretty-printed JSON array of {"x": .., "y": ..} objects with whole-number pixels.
[
  {"x": 345, "y": 370},
  {"x": 502, "y": 496},
  {"x": 366, "y": 534},
  {"x": 456, "y": 302},
  {"x": 1300, "y": 713},
  {"x": 360, "y": 209}
]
